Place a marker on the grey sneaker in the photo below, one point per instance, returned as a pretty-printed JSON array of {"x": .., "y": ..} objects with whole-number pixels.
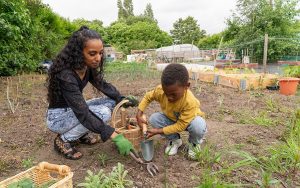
[{"x": 173, "y": 146}]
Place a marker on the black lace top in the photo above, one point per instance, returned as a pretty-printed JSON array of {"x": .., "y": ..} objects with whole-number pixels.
[{"x": 70, "y": 95}]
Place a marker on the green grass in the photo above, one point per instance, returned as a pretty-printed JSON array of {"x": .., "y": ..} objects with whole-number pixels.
[
  {"x": 207, "y": 156},
  {"x": 129, "y": 71}
]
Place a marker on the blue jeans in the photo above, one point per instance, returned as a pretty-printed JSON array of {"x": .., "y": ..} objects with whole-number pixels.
[
  {"x": 197, "y": 128},
  {"x": 64, "y": 122}
]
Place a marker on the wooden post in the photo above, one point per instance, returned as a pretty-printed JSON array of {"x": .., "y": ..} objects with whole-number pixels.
[{"x": 265, "y": 53}]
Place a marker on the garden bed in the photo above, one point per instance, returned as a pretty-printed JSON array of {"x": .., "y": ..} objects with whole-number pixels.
[{"x": 250, "y": 121}]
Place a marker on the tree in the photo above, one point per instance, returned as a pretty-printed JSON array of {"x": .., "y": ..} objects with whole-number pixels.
[
  {"x": 254, "y": 18},
  {"x": 210, "y": 42},
  {"x": 120, "y": 10},
  {"x": 16, "y": 27},
  {"x": 125, "y": 9},
  {"x": 149, "y": 12},
  {"x": 128, "y": 7},
  {"x": 139, "y": 35},
  {"x": 96, "y": 25},
  {"x": 186, "y": 31}
]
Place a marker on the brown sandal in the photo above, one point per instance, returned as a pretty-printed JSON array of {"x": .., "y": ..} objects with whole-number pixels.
[
  {"x": 66, "y": 149},
  {"x": 89, "y": 139}
]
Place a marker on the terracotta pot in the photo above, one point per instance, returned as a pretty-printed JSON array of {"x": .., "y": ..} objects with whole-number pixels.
[{"x": 288, "y": 85}]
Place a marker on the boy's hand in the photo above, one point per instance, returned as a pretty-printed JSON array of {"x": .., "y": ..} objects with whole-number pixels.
[
  {"x": 154, "y": 131},
  {"x": 124, "y": 146},
  {"x": 141, "y": 118}
]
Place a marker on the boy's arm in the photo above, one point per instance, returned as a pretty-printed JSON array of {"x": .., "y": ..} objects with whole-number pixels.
[
  {"x": 183, "y": 121},
  {"x": 147, "y": 99}
]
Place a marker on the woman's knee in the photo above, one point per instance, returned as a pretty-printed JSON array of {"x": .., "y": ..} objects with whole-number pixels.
[
  {"x": 103, "y": 112},
  {"x": 110, "y": 103}
]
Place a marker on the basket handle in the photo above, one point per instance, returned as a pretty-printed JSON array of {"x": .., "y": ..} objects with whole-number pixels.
[
  {"x": 114, "y": 114},
  {"x": 61, "y": 169}
]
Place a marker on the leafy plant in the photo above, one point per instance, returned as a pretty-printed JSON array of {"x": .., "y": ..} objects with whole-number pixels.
[
  {"x": 266, "y": 180},
  {"x": 271, "y": 104},
  {"x": 263, "y": 119},
  {"x": 102, "y": 157},
  {"x": 292, "y": 71},
  {"x": 116, "y": 178},
  {"x": 209, "y": 179},
  {"x": 27, "y": 163},
  {"x": 206, "y": 156}
]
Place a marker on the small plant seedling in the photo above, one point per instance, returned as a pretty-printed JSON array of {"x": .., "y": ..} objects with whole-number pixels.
[
  {"x": 206, "y": 156},
  {"x": 266, "y": 180},
  {"x": 116, "y": 178},
  {"x": 102, "y": 157},
  {"x": 3, "y": 165},
  {"x": 27, "y": 163},
  {"x": 40, "y": 141}
]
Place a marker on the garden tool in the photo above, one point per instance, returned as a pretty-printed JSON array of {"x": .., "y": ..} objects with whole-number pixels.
[
  {"x": 147, "y": 147},
  {"x": 151, "y": 167}
]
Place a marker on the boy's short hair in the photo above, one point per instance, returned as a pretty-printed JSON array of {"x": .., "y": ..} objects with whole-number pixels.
[{"x": 175, "y": 73}]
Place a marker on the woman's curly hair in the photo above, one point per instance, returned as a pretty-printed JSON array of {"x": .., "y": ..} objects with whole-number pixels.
[{"x": 71, "y": 57}]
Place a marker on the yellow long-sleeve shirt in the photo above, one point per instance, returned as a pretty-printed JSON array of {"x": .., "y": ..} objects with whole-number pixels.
[{"x": 186, "y": 108}]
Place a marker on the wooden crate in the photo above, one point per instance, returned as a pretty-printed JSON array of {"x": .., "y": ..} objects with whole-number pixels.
[{"x": 44, "y": 173}]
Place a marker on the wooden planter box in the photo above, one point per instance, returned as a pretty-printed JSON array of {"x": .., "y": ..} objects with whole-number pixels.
[{"x": 246, "y": 81}]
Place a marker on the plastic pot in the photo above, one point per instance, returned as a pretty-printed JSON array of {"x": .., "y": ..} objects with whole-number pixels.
[{"x": 288, "y": 85}]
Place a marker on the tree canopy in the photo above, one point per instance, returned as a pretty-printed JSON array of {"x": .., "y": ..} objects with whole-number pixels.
[
  {"x": 255, "y": 18},
  {"x": 186, "y": 31},
  {"x": 30, "y": 32}
]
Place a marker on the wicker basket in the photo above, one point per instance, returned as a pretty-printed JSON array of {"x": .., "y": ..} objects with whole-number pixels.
[
  {"x": 44, "y": 173},
  {"x": 134, "y": 134}
]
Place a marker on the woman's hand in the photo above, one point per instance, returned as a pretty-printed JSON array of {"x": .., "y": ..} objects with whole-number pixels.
[
  {"x": 154, "y": 131},
  {"x": 123, "y": 144}
]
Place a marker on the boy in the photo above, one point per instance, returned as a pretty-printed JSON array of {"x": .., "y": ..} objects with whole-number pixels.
[{"x": 180, "y": 111}]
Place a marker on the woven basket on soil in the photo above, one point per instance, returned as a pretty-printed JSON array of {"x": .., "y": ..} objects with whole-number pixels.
[
  {"x": 44, "y": 173},
  {"x": 134, "y": 134}
]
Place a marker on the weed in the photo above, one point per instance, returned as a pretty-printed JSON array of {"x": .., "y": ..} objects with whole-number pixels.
[
  {"x": 271, "y": 105},
  {"x": 257, "y": 94},
  {"x": 166, "y": 180},
  {"x": 40, "y": 141},
  {"x": 116, "y": 178},
  {"x": 239, "y": 146},
  {"x": 263, "y": 120},
  {"x": 220, "y": 100},
  {"x": 286, "y": 156},
  {"x": 3, "y": 165},
  {"x": 210, "y": 179},
  {"x": 102, "y": 158},
  {"x": 252, "y": 140},
  {"x": 247, "y": 160},
  {"x": 266, "y": 180},
  {"x": 27, "y": 163},
  {"x": 206, "y": 156}
]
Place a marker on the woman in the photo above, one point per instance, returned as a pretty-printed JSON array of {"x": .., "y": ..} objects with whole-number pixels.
[{"x": 69, "y": 115}]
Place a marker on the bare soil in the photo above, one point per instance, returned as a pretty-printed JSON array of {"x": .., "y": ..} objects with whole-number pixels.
[{"x": 24, "y": 136}]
